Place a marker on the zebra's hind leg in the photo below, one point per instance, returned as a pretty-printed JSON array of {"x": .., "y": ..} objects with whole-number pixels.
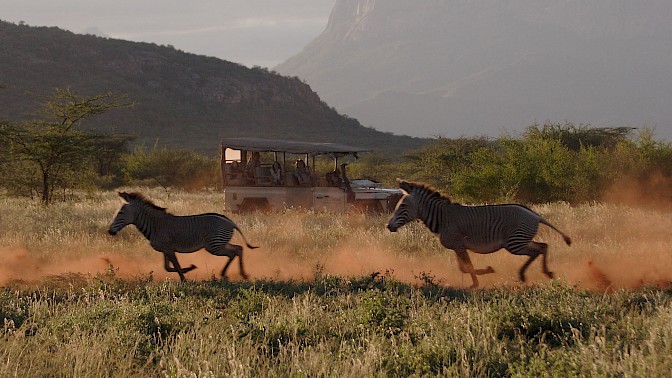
[
  {"x": 169, "y": 259},
  {"x": 544, "y": 252},
  {"x": 533, "y": 249},
  {"x": 232, "y": 250},
  {"x": 240, "y": 263},
  {"x": 467, "y": 267}
]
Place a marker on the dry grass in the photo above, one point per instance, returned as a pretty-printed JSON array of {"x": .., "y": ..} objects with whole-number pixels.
[
  {"x": 77, "y": 302},
  {"x": 613, "y": 246}
]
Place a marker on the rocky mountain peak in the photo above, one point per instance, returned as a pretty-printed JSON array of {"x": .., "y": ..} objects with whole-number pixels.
[{"x": 457, "y": 67}]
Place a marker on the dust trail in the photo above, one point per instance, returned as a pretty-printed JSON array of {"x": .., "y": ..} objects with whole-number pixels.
[
  {"x": 593, "y": 273},
  {"x": 626, "y": 258},
  {"x": 653, "y": 192},
  {"x": 20, "y": 264},
  {"x": 597, "y": 276}
]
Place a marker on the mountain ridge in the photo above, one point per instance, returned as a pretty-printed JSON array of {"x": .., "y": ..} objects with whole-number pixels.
[
  {"x": 182, "y": 99},
  {"x": 505, "y": 65}
]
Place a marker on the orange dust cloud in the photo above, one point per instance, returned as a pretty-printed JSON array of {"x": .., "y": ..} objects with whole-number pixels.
[
  {"x": 604, "y": 274},
  {"x": 603, "y": 257},
  {"x": 653, "y": 192},
  {"x": 19, "y": 264}
]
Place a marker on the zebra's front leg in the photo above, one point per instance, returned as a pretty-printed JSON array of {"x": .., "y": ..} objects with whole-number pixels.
[
  {"x": 170, "y": 258},
  {"x": 467, "y": 267}
]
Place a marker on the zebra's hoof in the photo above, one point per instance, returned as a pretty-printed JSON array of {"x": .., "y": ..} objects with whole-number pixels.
[
  {"x": 489, "y": 270},
  {"x": 550, "y": 275},
  {"x": 189, "y": 269}
]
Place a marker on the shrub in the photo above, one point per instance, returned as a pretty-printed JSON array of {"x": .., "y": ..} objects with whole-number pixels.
[
  {"x": 170, "y": 167},
  {"x": 553, "y": 162}
]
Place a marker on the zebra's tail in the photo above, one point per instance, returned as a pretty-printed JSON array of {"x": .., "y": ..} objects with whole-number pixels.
[
  {"x": 567, "y": 239},
  {"x": 245, "y": 239}
]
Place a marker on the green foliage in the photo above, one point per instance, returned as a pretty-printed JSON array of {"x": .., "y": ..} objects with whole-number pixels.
[
  {"x": 488, "y": 176},
  {"x": 575, "y": 137},
  {"x": 285, "y": 328},
  {"x": 51, "y": 146},
  {"x": 107, "y": 163},
  {"x": 644, "y": 156},
  {"x": 385, "y": 311},
  {"x": 553, "y": 162},
  {"x": 171, "y": 167},
  {"x": 543, "y": 167}
]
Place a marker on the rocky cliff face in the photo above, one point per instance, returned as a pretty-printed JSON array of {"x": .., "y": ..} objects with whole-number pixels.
[{"x": 470, "y": 67}]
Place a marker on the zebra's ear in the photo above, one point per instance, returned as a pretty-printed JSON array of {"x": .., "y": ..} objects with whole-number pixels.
[
  {"x": 124, "y": 195},
  {"x": 404, "y": 185}
]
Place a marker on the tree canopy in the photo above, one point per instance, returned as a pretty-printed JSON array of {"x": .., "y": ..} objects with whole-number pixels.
[{"x": 52, "y": 145}]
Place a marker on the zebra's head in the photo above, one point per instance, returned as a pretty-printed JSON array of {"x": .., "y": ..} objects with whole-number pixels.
[
  {"x": 125, "y": 216},
  {"x": 407, "y": 208}
]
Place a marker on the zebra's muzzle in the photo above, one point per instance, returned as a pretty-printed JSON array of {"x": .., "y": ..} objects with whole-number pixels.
[
  {"x": 392, "y": 228},
  {"x": 111, "y": 232}
]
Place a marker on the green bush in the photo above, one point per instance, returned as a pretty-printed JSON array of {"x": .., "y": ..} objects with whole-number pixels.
[
  {"x": 170, "y": 167},
  {"x": 550, "y": 162}
]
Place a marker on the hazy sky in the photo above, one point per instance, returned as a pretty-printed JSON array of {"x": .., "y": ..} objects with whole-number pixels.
[{"x": 250, "y": 32}]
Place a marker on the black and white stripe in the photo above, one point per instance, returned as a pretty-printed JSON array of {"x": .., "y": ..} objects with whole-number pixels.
[
  {"x": 481, "y": 229},
  {"x": 170, "y": 234}
]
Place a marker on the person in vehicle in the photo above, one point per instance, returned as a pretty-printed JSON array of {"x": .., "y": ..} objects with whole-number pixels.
[
  {"x": 302, "y": 173},
  {"x": 346, "y": 184},
  {"x": 276, "y": 173},
  {"x": 334, "y": 178},
  {"x": 234, "y": 172},
  {"x": 251, "y": 167}
]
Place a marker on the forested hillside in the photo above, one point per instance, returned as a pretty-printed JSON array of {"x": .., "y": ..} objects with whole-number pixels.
[{"x": 180, "y": 99}]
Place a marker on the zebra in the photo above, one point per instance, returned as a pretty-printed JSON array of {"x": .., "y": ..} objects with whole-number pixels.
[
  {"x": 168, "y": 233},
  {"x": 481, "y": 229}
]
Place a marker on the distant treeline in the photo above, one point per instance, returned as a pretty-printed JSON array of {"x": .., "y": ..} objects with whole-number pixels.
[
  {"x": 549, "y": 162},
  {"x": 50, "y": 155},
  {"x": 114, "y": 166}
]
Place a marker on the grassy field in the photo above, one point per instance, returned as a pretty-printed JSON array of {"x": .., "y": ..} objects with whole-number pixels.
[{"x": 330, "y": 295}]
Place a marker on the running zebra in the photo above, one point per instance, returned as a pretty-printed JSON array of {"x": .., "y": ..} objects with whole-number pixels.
[
  {"x": 169, "y": 233},
  {"x": 481, "y": 229}
]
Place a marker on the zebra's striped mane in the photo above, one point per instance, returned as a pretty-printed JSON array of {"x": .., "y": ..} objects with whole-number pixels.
[
  {"x": 145, "y": 201},
  {"x": 430, "y": 191}
]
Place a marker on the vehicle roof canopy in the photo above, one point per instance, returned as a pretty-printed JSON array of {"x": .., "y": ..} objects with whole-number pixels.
[{"x": 291, "y": 146}]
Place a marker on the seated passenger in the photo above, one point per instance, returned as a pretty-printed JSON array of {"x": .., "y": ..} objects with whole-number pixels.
[
  {"x": 276, "y": 174},
  {"x": 346, "y": 184},
  {"x": 302, "y": 173},
  {"x": 334, "y": 178},
  {"x": 251, "y": 167}
]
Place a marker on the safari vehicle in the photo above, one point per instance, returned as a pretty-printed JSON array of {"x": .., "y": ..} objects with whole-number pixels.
[{"x": 251, "y": 182}]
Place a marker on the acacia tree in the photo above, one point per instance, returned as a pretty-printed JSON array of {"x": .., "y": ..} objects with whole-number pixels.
[{"x": 52, "y": 143}]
